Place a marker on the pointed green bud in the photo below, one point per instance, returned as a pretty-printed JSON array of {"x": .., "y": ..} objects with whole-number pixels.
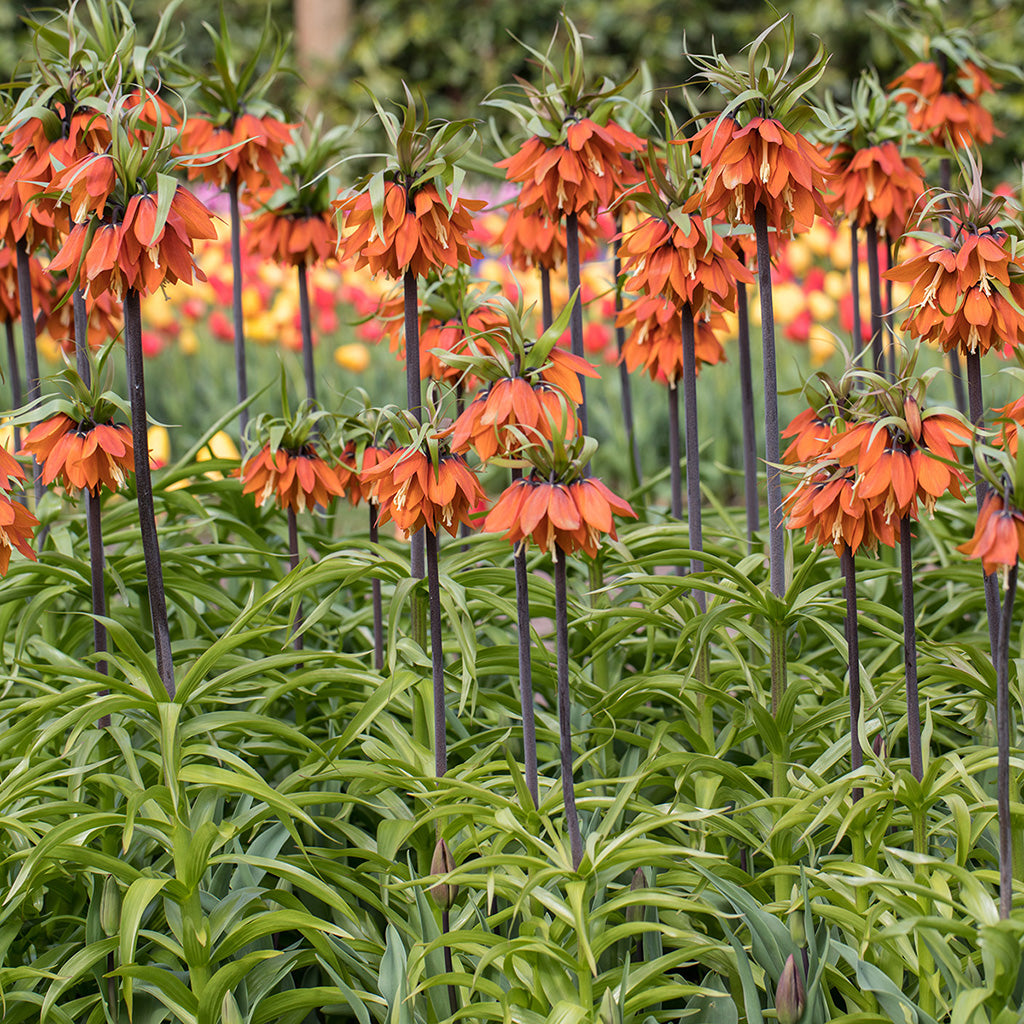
[
  {"x": 229, "y": 1010},
  {"x": 797, "y": 930},
  {"x": 443, "y": 893},
  {"x": 110, "y": 906},
  {"x": 790, "y": 999},
  {"x": 610, "y": 1012}
]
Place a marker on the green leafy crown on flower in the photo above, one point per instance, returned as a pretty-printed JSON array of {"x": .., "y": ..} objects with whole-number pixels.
[
  {"x": 871, "y": 118},
  {"x": 291, "y": 432},
  {"x": 510, "y": 347},
  {"x": 564, "y": 95},
  {"x": 91, "y": 404},
  {"x": 921, "y": 30},
  {"x": 763, "y": 89},
  {"x": 80, "y": 62},
  {"x": 308, "y": 166},
  {"x": 238, "y": 83}
]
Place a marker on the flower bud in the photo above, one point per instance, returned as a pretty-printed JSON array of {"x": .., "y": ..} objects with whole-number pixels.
[
  {"x": 790, "y": 1000},
  {"x": 878, "y": 746},
  {"x": 229, "y": 1010},
  {"x": 110, "y": 906},
  {"x": 443, "y": 894},
  {"x": 912, "y": 414},
  {"x": 635, "y": 912}
]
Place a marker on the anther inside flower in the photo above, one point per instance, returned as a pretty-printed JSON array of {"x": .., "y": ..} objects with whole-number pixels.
[
  {"x": 966, "y": 293},
  {"x": 415, "y": 493},
  {"x": 82, "y": 456},
  {"x": 569, "y": 516},
  {"x": 761, "y": 163},
  {"x": 294, "y": 479}
]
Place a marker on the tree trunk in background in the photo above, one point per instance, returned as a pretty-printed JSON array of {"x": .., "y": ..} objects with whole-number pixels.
[{"x": 321, "y": 35}]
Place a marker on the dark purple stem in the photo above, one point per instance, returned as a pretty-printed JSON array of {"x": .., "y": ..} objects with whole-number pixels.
[
  {"x": 81, "y": 336},
  {"x": 547, "y": 313},
  {"x": 144, "y": 490},
  {"x": 849, "y": 567},
  {"x": 1002, "y": 667},
  {"x": 776, "y": 542},
  {"x": 526, "y": 701},
  {"x": 12, "y": 369},
  {"x": 858, "y": 339},
  {"x": 414, "y": 403},
  {"x": 910, "y": 650},
  {"x": 572, "y": 820},
  {"x": 572, "y": 265},
  {"x": 693, "y": 499},
  {"x": 945, "y": 179},
  {"x": 306, "y": 325},
  {"x": 378, "y": 615},
  {"x": 436, "y": 655},
  {"x": 875, "y": 292},
  {"x": 747, "y": 414},
  {"x": 625, "y": 385},
  {"x": 236, "y": 300},
  {"x": 293, "y": 564},
  {"x": 674, "y": 454},
  {"x": 28, "y": 336}
]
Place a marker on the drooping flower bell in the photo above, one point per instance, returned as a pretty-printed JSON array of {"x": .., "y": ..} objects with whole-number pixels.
[
  {"x": 947, "y": 107},
  {"x": 577, "y": 159},
  {"x": 998, "y": 538},
  {"x": 967, "y": 289}
]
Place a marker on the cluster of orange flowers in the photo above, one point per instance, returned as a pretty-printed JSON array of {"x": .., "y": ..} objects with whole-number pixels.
[
  {"x": 938, "y": 111},
  {"x": 17, "y": 524},
  {"x": 297, "y": 479},
  {"x": 250, "y": 148},
  {"x": 292, "y": 240},
  {"x": 998, "y": 534},
  {"x": 968, "y": 293},
  {"x": 419, "y": 231},
  {"x": 569, "y": 516},
  {"x": 863, "y": 477},
  {"x": 82, "y": 456},
  {"x": 876, "y": 183},
  {"x": 581, "y": 175},
  {"x": 761, "y": 163}
]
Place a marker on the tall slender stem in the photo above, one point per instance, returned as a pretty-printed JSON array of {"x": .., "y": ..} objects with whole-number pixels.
[
  {"x": 776, "y": 541},
  {"x": 693, "y": 498},
  {"x": 1003, "y": 716},
  {"x": 414, "y": 403},
  {"x": 747, "y": 415},
  {"x": 236, "y": 300},
  {"x": 625, "y": 385},
  {"x": 875, "y": 291},
  {"x": 306, "y": 326},
  {"x": 28, "y": 336},
  {"x": 858, "y": 339},
  {"x": 572, "y": 821},
  {"x": 436, "y": 655},
  {"x": 572, "y": 265},
  {"x": 378, "y": 613},
  {"x": 293, "y": 564},
  {"x": 144, "y": 489},
  {"x": 910, "y": 650},
  {"x": 12, "y": 369},
  {"x": 976, "y": 406},
  {"x": 849, "y": 567},
  {"x": 526, "y": 701},
  {"x": 547, "y": 312},
  {"x": 81, "y": 336},
  {"x": 674, "y": 454},
  {"x": 887, "y": 313},
  {"x": 945, "y": 178},
  {"x": 94, "y": 523}
]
